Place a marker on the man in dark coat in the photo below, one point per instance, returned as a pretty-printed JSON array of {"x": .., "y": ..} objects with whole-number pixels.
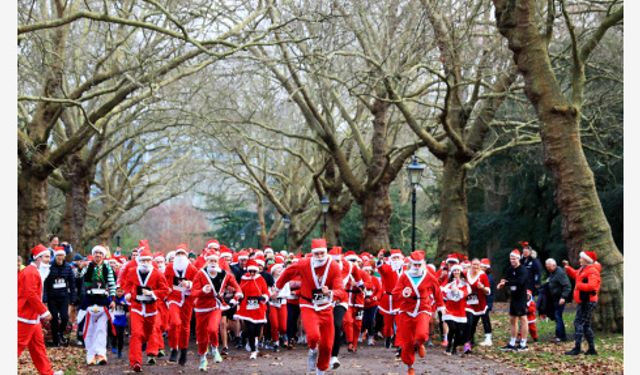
[
  {"x": 59, "y": 292},
  {"x": 559, "y": 288}
]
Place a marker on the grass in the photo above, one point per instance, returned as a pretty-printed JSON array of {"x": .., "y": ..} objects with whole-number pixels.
[{"x": 546, "y": 357}]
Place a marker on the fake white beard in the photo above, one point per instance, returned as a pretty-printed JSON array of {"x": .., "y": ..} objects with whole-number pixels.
[
  {"x": 213, "y": 270},
  {"x": 145, "y": 268},
  {"x": 416, "y": 272},
  {"x": 162, "y": 267},
  {"x": 315, "y": 262},
  {"x": 180, "y": 263},
  {"x": 44, "y": 270},
  {"x": 396, "y": 264}
]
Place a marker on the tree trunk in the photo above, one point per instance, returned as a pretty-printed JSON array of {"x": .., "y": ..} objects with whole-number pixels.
[
  {"x": 454, "y": 221},
  {"x": 584, "y": 225},
  {"x": 376, "y": 217},
  {"x": 76, "y": 202},
  {"x": 32, "y": 211}
]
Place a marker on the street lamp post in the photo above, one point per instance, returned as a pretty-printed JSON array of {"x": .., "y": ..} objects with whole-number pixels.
[
  {"x": 414, "y": 170},
  {"x": 324, "y": 203},
  {"x": 287, "y": 222}
]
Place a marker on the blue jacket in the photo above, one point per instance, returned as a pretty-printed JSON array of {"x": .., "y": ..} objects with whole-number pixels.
[{"x": 120, "y": 317}]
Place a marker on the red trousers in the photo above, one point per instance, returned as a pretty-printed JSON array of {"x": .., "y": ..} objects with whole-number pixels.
[
  {"x": 320, "y": 333},
  {"x": 141, "y": 331},
  {"x": 387, "y": 326},
  {"x": 179, "y": 324},
  {"x": 156, "y": 341},
  {"x": 352, "y": 324},
  {"x": 411, "y": 332},
  {"x": 278, "y": 320},
  {"x": 30, "y": 336},
  {"x": 207, "y": 329},
  {"x": 533, "y": 330}
]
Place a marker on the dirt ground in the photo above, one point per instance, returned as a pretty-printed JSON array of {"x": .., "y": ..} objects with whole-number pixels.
[{"x": 368, "y": 360}]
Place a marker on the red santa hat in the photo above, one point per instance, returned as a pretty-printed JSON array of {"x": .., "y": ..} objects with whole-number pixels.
[
  {"x": 158, "y": 256},
  {"x": 514, "y": 253},
  {"x": 252, "y": 265},
  {"x": 455, "y": 267},
  {"x": 279, "y": 264},
  {"x": 145, "y": 254},
  {"x": 529, "y": 293},
  {"x": 452, "y": 258},
  {"x": 396, "y": 253},
  {"x": 182, "y": 248},
  {"x": 225, "y": 252},
  {"x": 59, "y": 250},
  {"x": 210, "y": 253},
  {"x": 268, "y": 250},
  {"x": 351, "y": 256},
  {"x": 485, "y": 263},
  {"x": 466, "y": 264},
  {"x": 432, "y": 267},
  {"x": 524, "y": 244},
  {"x": 213, "y": 244},
  {"x": 99, "y": 249},
  {"x": 259, "y": 260},
  {"x": 367, "y": 265},
  {"x": 318, "y": 245},
  {"x": 335, "y": 251},
  {"x": 416, "y": 257},
  {"x": 243, "y": 254},
  {"x": 589, "y": 256},
  {"x": 39, "y": 250}
]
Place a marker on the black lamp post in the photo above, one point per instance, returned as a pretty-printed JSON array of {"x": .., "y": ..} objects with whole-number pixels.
[
  {"x": 287, "y": 223},
  {"x": 414, "y": 170},
  {"x": 324, "y": 203},
  {"x": 118, "y": 240}
]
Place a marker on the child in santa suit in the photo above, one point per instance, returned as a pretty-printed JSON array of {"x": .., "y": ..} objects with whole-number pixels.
[
  {"x": 209, "y": 287},
  {"x": 253, "y": 308},
  {"x": 531, "y": 317},
  {"x": 145, "y": 288},
  {"x": 455, "y": 296},
  {"x": 277, "y": 308},
  {"x": 179, "y": 275},
  {"x": 31, "y": 311},
  {"x": 390, "y": 269},
  {"x": 320, "y": 279},
  {"x": 413, "y": 294}
]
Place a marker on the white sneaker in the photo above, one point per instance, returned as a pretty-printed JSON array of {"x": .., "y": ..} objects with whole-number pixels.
[
  {"x": 370, "y": 342},
  {"x": 247, "y": 347},
  {"x": 487, "y": 340},
  {"x": 319, "y": 372},
  {"x": 59, "y": 372},
  {"x": 254, "y": 355},
  {"x": 311, "y": 359},
  {"x": 217, "y": 358},
  {"x": 334, "y": 363}
]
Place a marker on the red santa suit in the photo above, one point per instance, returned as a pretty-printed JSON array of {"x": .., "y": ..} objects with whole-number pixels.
[
  {"x": 209, "y": 306},
  {"x": 531, "y": 316},
  {"x": 355, "y": 290},
  {"x": 389, "y": 274},
  {"x": 414, "y": 300},
  {"x": 30, "y": 311},
  {"x": 316, "y": 308},
  {"x": 277, "y": 308},
  {"x": 143, "y": 307},
  {"x": 156, "y": 342},
  {"x": 253, "y": 307},
  {"x": 477, "y": 300},
  {"x": 179, "y": 301}
]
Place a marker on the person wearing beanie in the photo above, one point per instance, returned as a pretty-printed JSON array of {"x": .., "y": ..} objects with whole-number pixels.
[
  {"x": 320, "y": 281},
  {"x": 416, "y": 293},
  {"x": 100, "y": 287},
  {"x": 179, "y": 275},
  {"x": 31, "y": 311},
  {"x": 585, "y": 294},
  {"x": 253, "y": 308},
  {"x": 516, "y": 281},
  {"x": 59, "y": 292},
  {"x": 209, "y": 288}
]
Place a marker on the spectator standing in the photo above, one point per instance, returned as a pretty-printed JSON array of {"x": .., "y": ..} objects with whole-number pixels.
[
  {"x": 59, "y": 292},
  {"x": 533, "y": 266},
  {"x": 516, "y": 281},
  {"x": 559, "y": 288}
]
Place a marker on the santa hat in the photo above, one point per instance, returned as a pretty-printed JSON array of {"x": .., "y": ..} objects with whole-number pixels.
[
  {"x": 259, "y": 259},
  {"x": 279, "y": 264},
  {"x": 171, "y": 254},
  {"x": 252, "y": 265},
  {"x": 182, "y": 248},
  {"x": 143, "y": 244},
  {"x": 158, "y": 256},
  {"x": 144, "y": 254},
  {"x": 59, "y": 250},
  {"x": 514, "y": 253},
  {"x": 351, "y": 256},
  {"x": 416, "y": 257},
  {"x": 466, "y": 264},
  {"x": 367, "y": 265},
  {"x": 589, "y": 256},
  {"x": 318, "y": 245},
  {"x": 485, "y": 263},
  {"x": 225, "y": 252},
  {"x": 452, "y": 258},
  {"x": 284, "y": 253},
  {"x": 99, "y": 249},
  {"x": 243, "y": 254},
  {"x": 366, "y": 256},
  {"x": 524, "y": 244},
  {"x": 213, "y": 244},
  {"x": 529, "y": 293},
  {"x": 38, "y": 251},
  {"x": 113, "y": 260},
  {"x": 257, "y": 252},
  {"x": 268, "y": 250},
  {"x": 335, "y": 252},
  {"x": 396, "y": 252},
  {"x": 432, "y": 267},
  {"x": 443, "y": 264},
  {"x": 210, "y": 254},
  {"x": 455, "y": 267}
]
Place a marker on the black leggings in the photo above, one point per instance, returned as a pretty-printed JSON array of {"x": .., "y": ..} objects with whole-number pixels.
[
  {"x": 117, "y": 341},
  {"x": 486, "y": 322},
  {"x": 252, "y": 331},
  {"x": 456, "y": 334},
  {"x": 338, "y": 316},
  {"x": 293, "y": 313},
  {"x": 59, "y": 309}
]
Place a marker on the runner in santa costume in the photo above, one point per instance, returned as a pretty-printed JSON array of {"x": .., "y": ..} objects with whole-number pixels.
[
  {"x": 100, "y": 287},
  {"x": 277, "y": 308},
  {"x": 372, "y": 298},
  {"x": 476, "y": 301},
  {"x": 144, "y": 289},
  {"x": 355, "y": 289},
  {"x": 413, "y": 295},
  {"x": 155, "y": 347},
  {"x": 253, "y": 308},
  {"x": 209, "y": 287},
  {"x": 179, "y": 275},
  {"x": 455, "y": 296},
  {"x": 443, "y": 277},
  {"x": 320, "y": 279},
  {"x": 341, "y": 303},
  {"x": 390, "y": 267},
  {"x": 31, "y": 311}
]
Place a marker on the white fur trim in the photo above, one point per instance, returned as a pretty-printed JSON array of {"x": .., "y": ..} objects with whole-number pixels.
[
  {"x": 318, "y": 249},
  {"x": 584, "y": 256},
  {"x": 98, "y": 248}
]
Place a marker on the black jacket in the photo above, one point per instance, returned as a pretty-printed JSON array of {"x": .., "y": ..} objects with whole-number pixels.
[
  {"x": 517, "y": 282},
  {"x": 559, "y": 284},
  {"x": 60, "y": 284},
  {"x": 534, "y": 269}
]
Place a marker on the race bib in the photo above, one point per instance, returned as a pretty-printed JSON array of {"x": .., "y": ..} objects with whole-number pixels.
[
  {"x": 319, "y": 298},
  {"x": 119, "y": 311},
  {"x": 143, "y": 298},
  {"x": 179, "y": 288},
  {"x": 99, "y": 291},
  {"x": 472, "y": 299},
  {"x": 59, "y": 284},
  {"x": 513, "y": 288},
  {"x": 359, "y": 315},
  {"x": 253, "y": 304}
]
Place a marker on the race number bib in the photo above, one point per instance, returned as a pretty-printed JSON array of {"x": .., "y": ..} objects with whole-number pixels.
[
  {"x": 359, "y": 315},
  {"x": 119, "y": 311},
  {"x": 253, "y": 304},
  {"x": 472, "y": 299},
  {"x": 59, "y": 284},
  {"x": 319, "y": 298},
  {"x": 513, "y": 288}
]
